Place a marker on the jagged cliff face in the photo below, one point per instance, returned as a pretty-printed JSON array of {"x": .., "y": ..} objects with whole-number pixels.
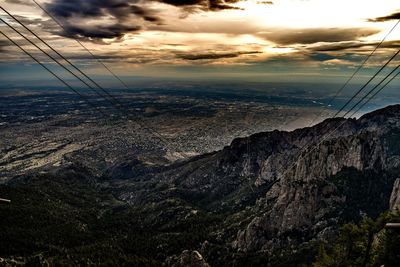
[
  {"x": 288, "y": 199},
  {"x": 302, "y": 201}
]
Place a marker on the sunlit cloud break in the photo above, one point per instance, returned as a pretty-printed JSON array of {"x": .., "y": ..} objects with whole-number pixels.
[{"x": 140, "y": 35}]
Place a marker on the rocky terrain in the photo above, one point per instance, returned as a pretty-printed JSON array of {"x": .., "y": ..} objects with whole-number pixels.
[
  {"x": 265, "y": 200},
  {"x": 278, "y": 200}
]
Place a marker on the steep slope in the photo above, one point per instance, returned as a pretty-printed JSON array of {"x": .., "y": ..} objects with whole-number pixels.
[{"x": 339, "y": 178}]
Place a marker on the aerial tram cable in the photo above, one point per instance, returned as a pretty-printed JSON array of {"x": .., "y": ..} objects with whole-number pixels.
[
  {"x": 366, "y": 84},
  {"x": 377, "y": 92},
  {"x": 82, "y": 45},
  {"x": 353, "y": 75},
  {"x": 344, "y": 86},
  {"x": 338, "y": 92},
  {"x": 59, "y": 54},
  {"x": 52, "y": 58},
  {"x": 301, "y": 150},
  {"x": 7, "y": 201},
  {"x": 119, "y": 107},
  {"x": 330, "y": 132},
  {"x": 372, "y": 90},
  {"x": 55, "y": 75}
]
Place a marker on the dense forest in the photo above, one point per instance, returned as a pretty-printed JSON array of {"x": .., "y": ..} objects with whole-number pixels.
[{"x": 67, "y": 220}]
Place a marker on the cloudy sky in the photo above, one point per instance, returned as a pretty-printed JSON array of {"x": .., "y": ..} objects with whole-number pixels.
[{"x": 275, "y": 40}]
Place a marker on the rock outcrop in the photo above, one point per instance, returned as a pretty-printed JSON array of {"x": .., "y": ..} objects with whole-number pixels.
[
  {"x": 187, "y": 259},
  {"x": 395, "y": 196}
]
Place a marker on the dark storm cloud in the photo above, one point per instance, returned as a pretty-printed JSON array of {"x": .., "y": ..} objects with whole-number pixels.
[
  {"x": 4, "y": 44},
  {"x": 341, "y": 46},
  {"x": 20, "y": 2},
  {"x": 113, "y": 31},
  {"x": 215, "y": 55},
  {"x": 213, "y": 5},
  {"x": 127, "y": 15},
  {"x": 311, "y": 36},
  {"x": 221, "y": 5},
  {"x": 265, "y": 2},
  {"x": 386, "y": 18},
  {"x": 120, "y": 9},
  {"x": 392, "y": 44},
  {"x": 117, "y": 57}
]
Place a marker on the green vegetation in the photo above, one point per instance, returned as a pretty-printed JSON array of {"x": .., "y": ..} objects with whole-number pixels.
[
  {"x": 68, "y": 220},
  {"x": 365, "y": 244},
  {"x": 367, "y": 191},
  {"x": 392, "y": 140}
]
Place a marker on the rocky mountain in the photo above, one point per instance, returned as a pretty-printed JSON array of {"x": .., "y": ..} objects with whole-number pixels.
[
  {"x": 287, "y": 189},
  {"x": 268, "y": 199}
]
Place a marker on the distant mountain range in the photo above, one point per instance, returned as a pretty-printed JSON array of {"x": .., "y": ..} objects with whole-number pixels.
[{"x": 264, "y": 200}]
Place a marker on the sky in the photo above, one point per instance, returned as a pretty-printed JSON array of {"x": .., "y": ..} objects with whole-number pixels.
[{"x": 250, "y": 40}]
